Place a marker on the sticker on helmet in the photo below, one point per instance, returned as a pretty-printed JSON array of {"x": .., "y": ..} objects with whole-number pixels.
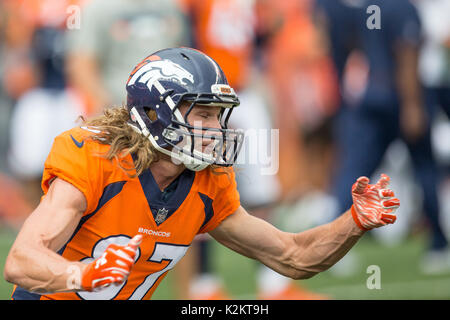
[{"x": 161, "y": 70}]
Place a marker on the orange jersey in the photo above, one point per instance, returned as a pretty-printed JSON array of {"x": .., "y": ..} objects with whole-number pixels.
[{"x": 119, "y": 207}]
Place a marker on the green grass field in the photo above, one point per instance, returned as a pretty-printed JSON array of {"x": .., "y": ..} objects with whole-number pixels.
[
  {"x": 6, "y": 240},
  {"x": 400, "y": 276}
]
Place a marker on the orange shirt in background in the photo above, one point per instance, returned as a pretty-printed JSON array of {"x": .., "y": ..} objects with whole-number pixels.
[{"x": 224, "y": 30}]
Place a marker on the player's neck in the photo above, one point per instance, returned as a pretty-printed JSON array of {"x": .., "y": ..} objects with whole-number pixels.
[{"x": 165, "y": 171}]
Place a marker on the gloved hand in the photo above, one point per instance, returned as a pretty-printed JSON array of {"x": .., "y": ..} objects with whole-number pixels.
[
  {"x": 373, "y": 205},
  {"x": 113, "y": 267}
]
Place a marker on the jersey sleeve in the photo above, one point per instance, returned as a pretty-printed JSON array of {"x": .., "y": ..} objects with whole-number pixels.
[
  {"x": 71, "y": 160},
  {"x": 225, "y": 202}
]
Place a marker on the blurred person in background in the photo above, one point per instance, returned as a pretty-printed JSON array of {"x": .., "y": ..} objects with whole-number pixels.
[
  {"x": 113, "y": 34},
  {"x": 301, "y": 77},
  {"x": 43, "y": 104},
  {"x": 434, "y": 71},
  {"x": 434, "y": 63},
  {"x": 302, "y": 90},
  {"x": 225, "y": 30},
  {"x": 386, "y": 101},
  {"x": 17, "y": 77},
  {"x": 251, "y": 40}
]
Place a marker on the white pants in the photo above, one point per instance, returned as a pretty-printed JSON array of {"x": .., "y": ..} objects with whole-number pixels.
[{"x": 38, "y": 117}]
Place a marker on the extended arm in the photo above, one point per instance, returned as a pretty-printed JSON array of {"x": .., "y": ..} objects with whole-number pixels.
[
  {"x": 302, "y": 255},
  {"x": 298, "y": 256}
]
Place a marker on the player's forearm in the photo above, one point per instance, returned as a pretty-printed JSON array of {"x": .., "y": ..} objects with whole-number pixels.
[
  {"x": 318, "y": 249},
  {"x": 297, "y": 256},
  {"x": 38, "y": 269}
]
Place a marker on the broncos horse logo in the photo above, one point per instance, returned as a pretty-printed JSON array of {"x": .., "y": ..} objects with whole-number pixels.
[{"x": 160, "y": 70}]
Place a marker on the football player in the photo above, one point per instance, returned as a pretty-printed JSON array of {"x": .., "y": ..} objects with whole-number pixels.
[{"x": 126, "y": 194}]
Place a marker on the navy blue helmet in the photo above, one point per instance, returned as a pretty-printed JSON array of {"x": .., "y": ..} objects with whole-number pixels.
[{"x": 161, "y": 83}]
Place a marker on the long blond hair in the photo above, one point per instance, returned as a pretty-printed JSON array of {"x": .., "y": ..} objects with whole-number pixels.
[{"x": 114, "y": 130}]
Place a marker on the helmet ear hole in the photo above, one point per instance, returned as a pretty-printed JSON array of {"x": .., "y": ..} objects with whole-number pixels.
[{"x": 151, "y": 114}]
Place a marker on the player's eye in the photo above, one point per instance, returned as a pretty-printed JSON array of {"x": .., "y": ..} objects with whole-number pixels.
[{"x": 204, "y": 115}]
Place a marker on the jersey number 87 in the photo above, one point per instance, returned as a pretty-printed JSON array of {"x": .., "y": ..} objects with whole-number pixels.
[{"x": 161, "y": 252}]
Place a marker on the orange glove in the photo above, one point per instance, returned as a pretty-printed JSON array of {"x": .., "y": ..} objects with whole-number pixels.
[
  {"x": 113, "y": 267},
  {"x": 373, "y": 205}
]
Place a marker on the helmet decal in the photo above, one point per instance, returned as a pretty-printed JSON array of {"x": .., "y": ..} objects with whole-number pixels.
[{"x": 162, "y": 70}]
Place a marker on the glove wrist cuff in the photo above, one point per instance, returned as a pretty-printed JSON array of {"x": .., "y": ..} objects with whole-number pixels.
[
  {"x": 86, "y": 279},
  {"x": 355, "y": 218}
]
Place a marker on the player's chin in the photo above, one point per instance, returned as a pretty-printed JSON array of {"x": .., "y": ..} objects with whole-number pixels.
[{"x": 207, "y": 148}]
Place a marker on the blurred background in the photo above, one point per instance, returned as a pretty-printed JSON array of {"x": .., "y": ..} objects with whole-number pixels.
[{"x": 335, "y": 89}]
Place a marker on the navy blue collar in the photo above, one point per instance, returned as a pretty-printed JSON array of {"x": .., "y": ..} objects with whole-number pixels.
[
  {"x": 179, "y": 188},
  {"x": 158, "y": 200}
]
